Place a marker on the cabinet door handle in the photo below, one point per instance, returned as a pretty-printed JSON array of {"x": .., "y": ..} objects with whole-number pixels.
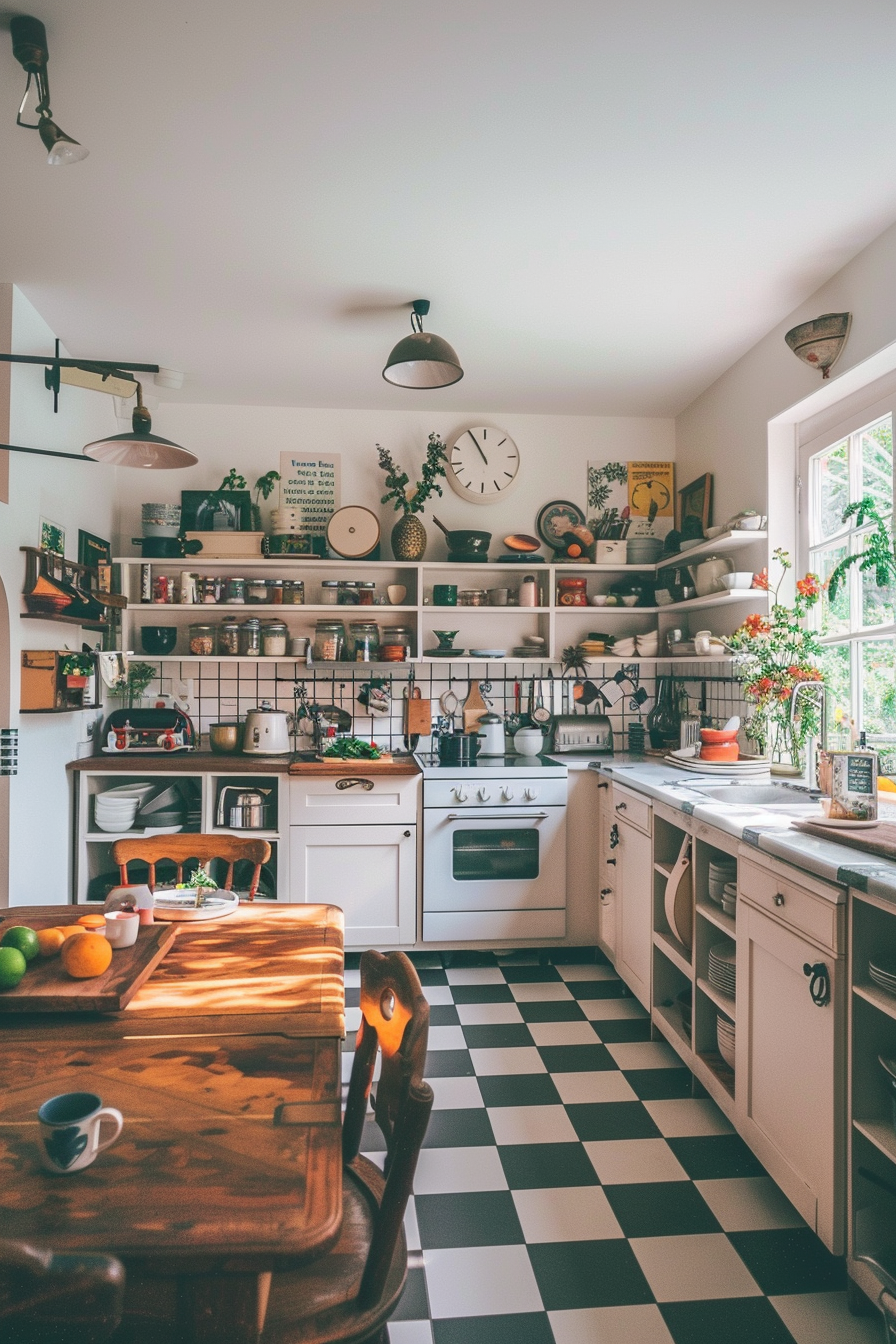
[
  {"x": 819, "y": 982},
  {"x": 779, "y": 899},
  {"x": 352, "y": 782},
  {"x": 407, "y": 835},
  {"x": 606, "y": 891},
  {"x": 603, "y": 785},
  {"x": 621, "y": 807},
  {"x": 614, "y": 836},
  {"x": 611, "y": 862}
]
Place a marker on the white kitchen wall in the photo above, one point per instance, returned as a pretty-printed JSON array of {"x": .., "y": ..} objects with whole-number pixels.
[
  {"x": 74, "y": 496},
  {"x": 554, "y": 451}
]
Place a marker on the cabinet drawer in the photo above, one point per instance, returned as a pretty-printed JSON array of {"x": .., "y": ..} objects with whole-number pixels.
[
  {"x": 631, "y": 807},
  {"x": 791, "y": 904},
  {"x": 354, "y": 799},
  {"x": 465, "y": 926}
]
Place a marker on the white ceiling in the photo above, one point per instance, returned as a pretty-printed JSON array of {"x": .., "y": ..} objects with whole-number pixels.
[{"x": 607, "y": 201}]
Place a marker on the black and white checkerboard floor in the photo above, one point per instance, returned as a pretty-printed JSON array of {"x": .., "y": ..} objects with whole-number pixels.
[{"x": 573, "y": 1188}]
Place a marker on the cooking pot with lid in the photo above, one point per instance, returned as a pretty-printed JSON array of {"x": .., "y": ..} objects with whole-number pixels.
[
  {"x": 267, "y": 731},
  {"x": 249, "y": 811}
]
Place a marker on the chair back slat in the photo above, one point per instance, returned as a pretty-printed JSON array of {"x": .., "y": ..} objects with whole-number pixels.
[
  {"x": 178, "y": 848},
  {"x": 394, "y": 1005}
]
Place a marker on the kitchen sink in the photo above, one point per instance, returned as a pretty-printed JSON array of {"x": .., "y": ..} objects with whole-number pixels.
[{"x": 762, "y": 795}]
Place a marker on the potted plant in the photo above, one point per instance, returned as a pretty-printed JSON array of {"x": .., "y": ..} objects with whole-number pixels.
[
  {"x": 139, "y": 677},
  {"x": 77, "y": 668},
  {"x": 775, "y": 655},
  {"x": 409, "y": 535},
  {"x": 199, "y": 882},
  {"x": 263, "y": 489}
]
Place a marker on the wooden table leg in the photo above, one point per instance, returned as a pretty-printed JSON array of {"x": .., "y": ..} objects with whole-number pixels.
[{"x": 224, "y": 1308}]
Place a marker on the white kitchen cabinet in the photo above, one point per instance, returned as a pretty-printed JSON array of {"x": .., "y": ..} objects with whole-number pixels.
[
  {"x": 582, "y": 857},
  {"x": 633, "y": 851},
  {"x": 606, "y": 882},
  {"x": 370, "y": 872},
  {"x": 790, "y": 1102}
]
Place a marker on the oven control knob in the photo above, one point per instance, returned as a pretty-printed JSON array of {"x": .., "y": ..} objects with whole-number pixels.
[
  {"x": 507, "y": 794},
  {"x": 530, "y": 795},
  {"x": 483, "y": 795},
  {"x": 461, "y": 794}
]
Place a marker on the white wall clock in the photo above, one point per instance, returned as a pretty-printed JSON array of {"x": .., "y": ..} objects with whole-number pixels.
[{"x": 483, "y": 464}]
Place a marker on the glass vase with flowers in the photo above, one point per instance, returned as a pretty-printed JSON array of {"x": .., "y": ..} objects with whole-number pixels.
[{"x": 774, "y": 655}]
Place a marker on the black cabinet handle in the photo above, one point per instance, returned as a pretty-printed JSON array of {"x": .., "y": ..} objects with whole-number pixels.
[
  {"x": 614, "y": 836},
  {"x": 819, "y": 983},
  {"x": 779, "y": 899},
  {"x": 621, "y": 807},
  {"x": 603, "y": 785},
  {"x": 606, "y": 891},
  {"x": 407, "y": 835}
]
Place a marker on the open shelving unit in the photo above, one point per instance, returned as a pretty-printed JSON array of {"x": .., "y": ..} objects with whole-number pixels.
[{"x": 478, "y": 627}]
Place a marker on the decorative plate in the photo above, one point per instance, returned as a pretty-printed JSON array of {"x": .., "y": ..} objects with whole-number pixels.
[{"x": 557, "y": 518}]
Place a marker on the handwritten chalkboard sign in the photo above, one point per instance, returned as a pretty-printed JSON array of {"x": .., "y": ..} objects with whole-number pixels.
[{"x": 312, "y": 485}]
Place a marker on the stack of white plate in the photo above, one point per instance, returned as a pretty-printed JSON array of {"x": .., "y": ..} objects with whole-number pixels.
[
  {"x": 729, "y": 898},
  {"x": 722, "y": 872},
  {"x": 722, "y": 968},
  {"x": 882, "y": 970},
  {"x": 114, "y": 810},
  {"x": 725, "y": 1038}
]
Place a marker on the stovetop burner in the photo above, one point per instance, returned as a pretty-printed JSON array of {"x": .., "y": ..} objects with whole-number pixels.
[{"x": 530, "y": 765}]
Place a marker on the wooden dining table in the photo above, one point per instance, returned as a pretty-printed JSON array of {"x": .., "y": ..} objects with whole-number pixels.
[{"x": 226, "y": 1067}]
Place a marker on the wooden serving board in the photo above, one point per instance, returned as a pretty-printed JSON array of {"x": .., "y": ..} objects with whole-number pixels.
[
  {"x": 47, "y": 989},
  {"x": 385, "y": 764},
  {"x": 879, "y": 840}
]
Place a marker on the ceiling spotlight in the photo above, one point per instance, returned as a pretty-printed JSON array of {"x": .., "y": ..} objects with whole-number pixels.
[
  {"x": 139, "y": 448},
  {"x": 422, "y": 360},
  {"x": 29, "y": 46}
]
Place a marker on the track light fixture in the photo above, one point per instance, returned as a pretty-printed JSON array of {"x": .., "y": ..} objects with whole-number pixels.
[
  {"x": 29, "y": 46},
  {"x": 422, "y": 360}
]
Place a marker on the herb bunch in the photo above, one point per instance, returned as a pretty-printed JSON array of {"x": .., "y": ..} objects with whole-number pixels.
[{"x": 397, "y": 481}]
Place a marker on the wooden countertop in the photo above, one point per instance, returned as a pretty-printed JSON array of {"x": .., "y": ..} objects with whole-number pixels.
[{"x": 201, "y": 762}]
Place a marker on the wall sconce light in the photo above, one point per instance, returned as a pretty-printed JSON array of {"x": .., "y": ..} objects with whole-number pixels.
[
  {"x": 139, "y": 448},
  {"x": 29, "y": 46},
  {"x": 422, "y": 360},
  {"x": 820, "y": 343}
]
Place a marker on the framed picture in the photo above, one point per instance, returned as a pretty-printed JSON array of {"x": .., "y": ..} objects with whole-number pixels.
[
  {"x": 52, "y": 537},
  {"x": 695, "y": 501},
  {"x": 216, "y": 510},
  {"x": 93, "y": 550}
]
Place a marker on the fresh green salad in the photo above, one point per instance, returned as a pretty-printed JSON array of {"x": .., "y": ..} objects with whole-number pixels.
[{"x": 352, "y": 749}]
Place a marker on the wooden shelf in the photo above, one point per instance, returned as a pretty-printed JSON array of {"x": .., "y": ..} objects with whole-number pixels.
[
  {"x": 721, "y": 1001},
  {"x": 726, "y": 541},
  {"x": 58, "y": 619},
  {"x": 721, "y": 1071},
  {"x": 883, "y": 1136},
  {"x": 664, "y": 869},
  {"x": 677, "y": 954},
  {"x": 669, "y": 1022},
  {"x": 61, "y": 709},
  {"x": 713, "y": 915},
  {"x": 878, "y": 998}
]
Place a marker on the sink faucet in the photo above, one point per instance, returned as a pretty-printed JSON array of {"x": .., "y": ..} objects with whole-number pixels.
[{"x": 817, "y": 743}]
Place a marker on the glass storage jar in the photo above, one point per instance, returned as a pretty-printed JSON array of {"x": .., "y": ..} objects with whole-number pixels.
[
  {"x": 472, "y": 597},
  {"x": 366, "y": 594},
  {"x": 329, "y": 641},
  {"x": 236, "y": 591},
  {"x": 329, "y": 592},
  {"x": 229, "y": 638},
  {"x": 364, "y": 641},
  {"x": 211, "y": 588},
  {"x": 257, "y": 590},
  {"x": 395, "y": 638},
  {"x": 572, "y": 592},
  {"x": 293, "y": 592},
  {"x": 250, "y": 638},
  {"x": 202, "y": 640},
  {"x": 275, "y": 592},
  {"x": 348, "y": 595},
  {"x": 274, "y": 639}
]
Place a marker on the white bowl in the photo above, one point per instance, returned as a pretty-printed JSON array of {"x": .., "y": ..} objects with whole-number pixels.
[
  {"x": 598, "y": 599},
  {"x": 125, "y": 810},
  {"x": 111, "y": 827},
  {"x": 631, "y": 600},
  {"x": 751, "y": 523},
  {"x": 623, "y": 648},
  {"x": 741, "y": 578}
]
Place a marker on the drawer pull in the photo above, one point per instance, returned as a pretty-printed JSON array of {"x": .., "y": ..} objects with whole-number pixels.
[
  {"x": 614, "y": 836},
  {"x": 621, "y": 807},
  {"x": 612, "y": 862},
  {"x": 407, "y": 835},
  {"x": 603, "y": 785},
  {"x": 779, "y": 899},
  {"x": 606, "y": 891},
  {"x": 351, "y": 783},
  {"x": 819, "y": 983}
]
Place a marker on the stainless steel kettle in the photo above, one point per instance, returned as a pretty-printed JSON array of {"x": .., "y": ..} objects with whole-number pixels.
[
  {"x": 267, "y": 731},
  {"x": 249, "y": 812}
]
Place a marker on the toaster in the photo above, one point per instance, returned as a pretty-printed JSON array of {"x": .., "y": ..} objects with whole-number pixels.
[
  {"x": 587, "y": 733},
  {"x": 148, "y": 730}
]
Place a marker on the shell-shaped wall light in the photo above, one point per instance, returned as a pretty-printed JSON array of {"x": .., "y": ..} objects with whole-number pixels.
[{"x": 820, "y": 343}]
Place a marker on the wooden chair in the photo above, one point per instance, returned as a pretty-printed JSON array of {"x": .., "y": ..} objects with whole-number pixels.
[
  {"x": 178, "y": 848},
  {"x": 349, "y": 1294},
  {"x": 57, "y": 1299}
]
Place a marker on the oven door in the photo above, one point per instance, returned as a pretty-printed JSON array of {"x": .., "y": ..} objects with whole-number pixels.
[{"x": 494, "y": 860}]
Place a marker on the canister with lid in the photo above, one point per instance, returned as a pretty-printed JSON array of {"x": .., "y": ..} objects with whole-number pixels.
[
  {"x": 274, "y": 639},
  {"x": 571, "y": 592},
  {"x": 293, "y": 592},
  {"x": 366, "y": 594},
  {"x": 275, "y": 592},
  {"x": 257, "y": 590},
  {"x": 329, "y": 592},
  {"x": 229, "y": 638},
  {"x": 364, "y": 641},
  {"x": 395, "y": 638},
  {"x": 329, "y": 641},
  {"x": 202, "y": 640},
  {"x": 348, "y": 595},
  {"x": 250, "y": 638},
  {"x": 235, "y": 592}
]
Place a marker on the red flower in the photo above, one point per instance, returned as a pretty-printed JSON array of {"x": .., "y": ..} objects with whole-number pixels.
[
  {"x": 760, "y": 580},
  {"x": 809, "y": 586},
  {"x": 756, "y": 625}
]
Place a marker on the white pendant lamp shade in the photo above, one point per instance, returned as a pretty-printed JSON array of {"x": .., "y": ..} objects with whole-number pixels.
[
  {"x": 140, "y": 448},
  {"x": 422, "y": 360},
  {"x": 61, "y": 148}
]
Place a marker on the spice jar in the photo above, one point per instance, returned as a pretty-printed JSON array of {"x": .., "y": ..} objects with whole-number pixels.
[
  {"x": 329, "y": 592},
  {"x": 274, "y": 639},
  {"x": 211, "y": 588},
  {"x": 571, "y": 592},
  {"x": 202, "y": 640},
  {"x": 229, "y": 638},
  {"x": 347, "y": 593},
  {"x": 250, "y": 638},
  {"x": 396, "y": 637},
  {"x": 329, "y": 641},
  {"x": 364, "y": 639},
  {"x": 275, "y": 592},
  {"x": 366, "y": 593},
  {"x": 293, "y": 592},
  {"x": 189, "y": 589},
  {"x": 472, "y": 597},
  {"x": 236, "y": 592},
  {"x": 257, "y": 590}
]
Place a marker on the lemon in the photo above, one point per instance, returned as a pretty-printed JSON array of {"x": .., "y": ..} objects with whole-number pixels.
[
  {"x": 50, "y": 941},
  {"x": 12, "y": 967},
  {"x": 22, "y": 938}
]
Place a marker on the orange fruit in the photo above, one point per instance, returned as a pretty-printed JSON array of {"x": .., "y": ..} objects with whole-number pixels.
[
  {"x": 49, "y": 941},
  {"x": 92, "y": 921},
  {"x": 87, "y": 956},
  {"x": 70, "y": 930}
]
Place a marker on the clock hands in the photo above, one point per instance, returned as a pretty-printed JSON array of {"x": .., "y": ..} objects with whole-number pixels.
[{"x": 475, "y": 440}]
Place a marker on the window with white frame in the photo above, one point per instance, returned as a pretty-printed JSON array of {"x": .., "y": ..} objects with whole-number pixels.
[{"x": 858, "y": 629}]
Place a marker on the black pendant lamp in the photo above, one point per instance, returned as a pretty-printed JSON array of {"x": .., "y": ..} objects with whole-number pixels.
[
  {"x": 422, "y": 360},
  {"x": 139, "y": 448}
]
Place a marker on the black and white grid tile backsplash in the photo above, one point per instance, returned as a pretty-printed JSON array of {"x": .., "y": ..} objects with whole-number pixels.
[{"x": 226, "y": 691}]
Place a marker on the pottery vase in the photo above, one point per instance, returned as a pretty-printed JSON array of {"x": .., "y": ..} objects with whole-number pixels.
[{"x": 408, "y": 538}]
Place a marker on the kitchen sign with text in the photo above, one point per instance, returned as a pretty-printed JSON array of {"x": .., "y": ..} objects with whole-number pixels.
[{"x": 312, "y": 486}]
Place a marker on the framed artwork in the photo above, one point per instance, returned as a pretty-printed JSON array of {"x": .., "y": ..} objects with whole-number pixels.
[
  {"x": 52, "y": 537},
  {"x": 313, "y": 486},
  {"x": 640, "y": 491},
  {"x": 216, "y": 510},
  {"x": 695, "y": 501},
  {"x": 93, "y": 550}
]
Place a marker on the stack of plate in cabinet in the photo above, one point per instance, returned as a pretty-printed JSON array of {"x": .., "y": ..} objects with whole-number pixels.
[
  {"x": 721, "y": 872},
  {"x": 725, "y": 1038},
  {"x": 883, "y": 972},
  {"x": 722, "y": 968},
  {"x": 729, "y": 898}
]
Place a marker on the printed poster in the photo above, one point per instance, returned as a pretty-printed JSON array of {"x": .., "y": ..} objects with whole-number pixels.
[
  {"x": 311, "y": 484},
  {"x": 640, "y": 488}
]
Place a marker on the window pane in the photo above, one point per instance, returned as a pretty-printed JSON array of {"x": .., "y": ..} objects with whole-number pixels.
[
  {"x": 877, "y": 463},
  {"x": 877, "y": 603},
  {"x": 830, "y": 489},
  {"x": 832, "y": 617},
  {"x": 835, "y": 663},
  {"x": 879, "y": 698}
]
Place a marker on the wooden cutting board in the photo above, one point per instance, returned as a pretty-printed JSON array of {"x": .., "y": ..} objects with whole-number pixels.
[
  {"x": 418, "y": 714},
  {"x": 878, "y": 840},
  {"x": 46, "y": 988},
  {"x": 474, "y": 708}
]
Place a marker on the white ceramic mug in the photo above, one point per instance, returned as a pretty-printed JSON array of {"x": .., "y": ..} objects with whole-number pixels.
[
  {"x": 701, "y": 642},
  {"x": 122, "y": 927},
  {"x": 70, "y": 1131}
]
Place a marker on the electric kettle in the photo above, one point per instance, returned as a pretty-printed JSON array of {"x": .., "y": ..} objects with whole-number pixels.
[
  {"x": 267, "y": 731},
  {"x": 708, "y": 574},
  {"x": 491, "y": 735}
]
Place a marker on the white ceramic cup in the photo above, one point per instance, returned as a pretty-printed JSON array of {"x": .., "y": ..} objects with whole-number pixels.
[
  {"x": 70, "y": 1131},
  {"x": 396, "y": 593},
  {"x": 701, "y": 642},
  {"x": 121, "y": 928}
]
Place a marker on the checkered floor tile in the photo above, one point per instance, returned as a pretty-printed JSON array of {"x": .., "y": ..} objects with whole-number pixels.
[{"x": 578, "y": 1187}]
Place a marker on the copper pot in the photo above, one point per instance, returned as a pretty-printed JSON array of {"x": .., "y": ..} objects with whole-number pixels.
[{"x": 224, "y": 738}]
